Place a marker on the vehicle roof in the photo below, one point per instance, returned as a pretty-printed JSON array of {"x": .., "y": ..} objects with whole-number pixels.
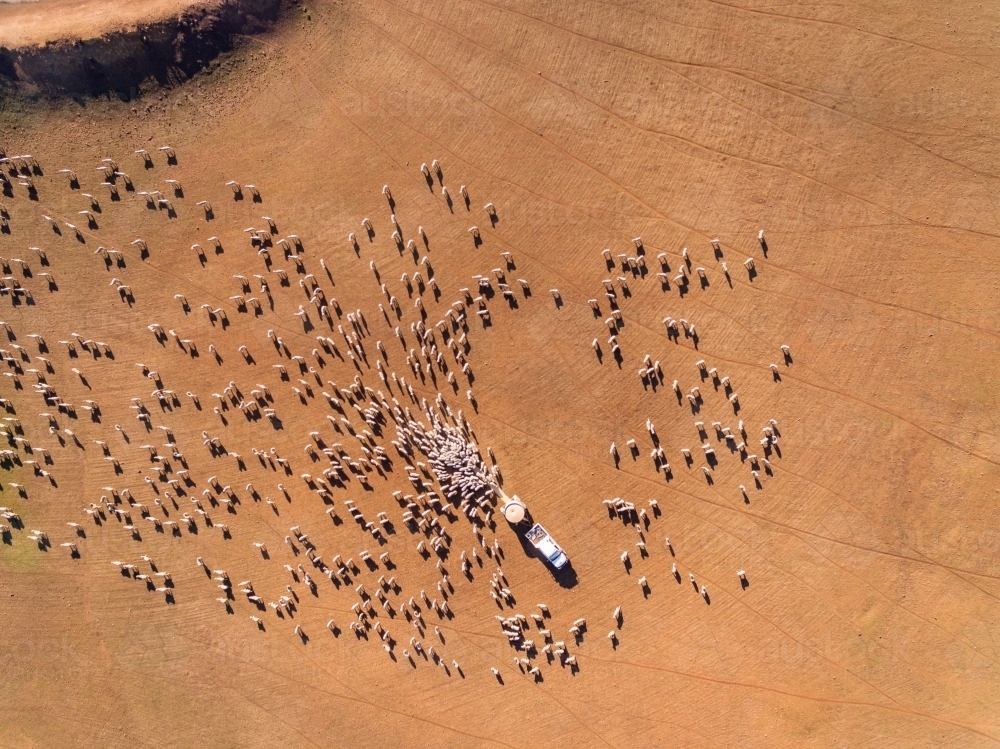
[{"x": 548, "y": 547}]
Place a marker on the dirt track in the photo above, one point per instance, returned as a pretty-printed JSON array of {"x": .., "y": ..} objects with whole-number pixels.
[{"x": 859, "y": 141}]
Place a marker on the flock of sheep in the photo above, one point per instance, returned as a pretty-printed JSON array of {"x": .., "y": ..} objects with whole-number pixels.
[{"x": 330, "y": 376}]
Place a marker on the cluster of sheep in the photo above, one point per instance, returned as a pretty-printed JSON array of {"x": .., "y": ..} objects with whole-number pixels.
[{"x": 456, "y": 462}]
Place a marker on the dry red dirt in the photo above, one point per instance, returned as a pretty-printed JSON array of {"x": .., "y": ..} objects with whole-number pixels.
[
  {"x": 861, "y": 140},
  {"x": 36, "y": 23}
]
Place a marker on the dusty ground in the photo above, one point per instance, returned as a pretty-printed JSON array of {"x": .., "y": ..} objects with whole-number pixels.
[
  {"x": 35, "y": 23},
  {"x": 861, "y": 140}
]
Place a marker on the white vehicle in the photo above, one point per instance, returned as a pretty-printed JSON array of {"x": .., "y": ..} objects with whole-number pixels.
[
  {"x": 542, "y": 541},
  {"x": 515, "y": 511}
]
